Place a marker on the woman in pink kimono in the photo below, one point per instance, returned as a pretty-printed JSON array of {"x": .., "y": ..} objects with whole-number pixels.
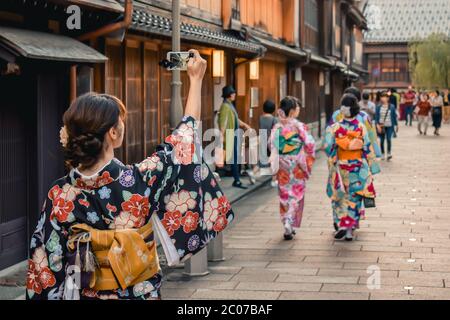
[{"x": 293, "y": 154}]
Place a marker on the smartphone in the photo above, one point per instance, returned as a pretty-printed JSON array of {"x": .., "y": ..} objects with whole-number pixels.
[{"x": 178, "y": 60}]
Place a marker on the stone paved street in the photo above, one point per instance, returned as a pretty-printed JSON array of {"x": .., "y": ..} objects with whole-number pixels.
[{"x": 407, "y": 237}]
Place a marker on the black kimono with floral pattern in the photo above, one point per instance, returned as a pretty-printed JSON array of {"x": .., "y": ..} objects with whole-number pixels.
[{"x": 174, "y": 183}]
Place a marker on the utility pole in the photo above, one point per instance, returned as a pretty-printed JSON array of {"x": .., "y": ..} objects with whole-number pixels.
[{"x": 176, "y": 109}]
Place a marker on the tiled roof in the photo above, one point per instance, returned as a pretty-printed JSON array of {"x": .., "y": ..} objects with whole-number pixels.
[
  {"x": 157, "y": 24},
  {"x": 406, "y": 20}
]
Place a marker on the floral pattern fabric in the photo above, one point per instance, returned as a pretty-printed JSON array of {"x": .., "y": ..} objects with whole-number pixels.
[
  {"x": 350, "y": 180},
  {"x": 293, "y": 151},
  {"x": 172, "y": 184}
]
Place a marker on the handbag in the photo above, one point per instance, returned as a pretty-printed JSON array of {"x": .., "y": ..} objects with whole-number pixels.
[
  {"x": 369, "y": 202},
  {"x": 380, "y": 127}
]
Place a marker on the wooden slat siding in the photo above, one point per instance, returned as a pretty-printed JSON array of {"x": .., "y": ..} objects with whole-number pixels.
[
  {"x": 151, "y": 98},
  {"x": 14, "y": 172},
  {"x": 312, "y": 93},
  {"x": 269, "y": 16},
  {"x": 269, "y": 88},
  {"x": 134, "y": 102},
  {"x": 114, "y": 76},
  {"x": 288, "y": 20}
]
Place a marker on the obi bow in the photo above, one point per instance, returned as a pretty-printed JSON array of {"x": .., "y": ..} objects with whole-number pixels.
[
  {"x": 289, "y": 143},
  {"x": 123, "y": 257}
]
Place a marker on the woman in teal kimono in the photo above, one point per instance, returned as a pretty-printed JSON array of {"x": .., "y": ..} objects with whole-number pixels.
[
  {"x": 349, "y": 149},
  {"x": 375, "y": 154}
]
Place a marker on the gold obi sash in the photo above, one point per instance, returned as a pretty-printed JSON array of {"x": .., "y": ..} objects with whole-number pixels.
[{"x": 123, "y": 257}]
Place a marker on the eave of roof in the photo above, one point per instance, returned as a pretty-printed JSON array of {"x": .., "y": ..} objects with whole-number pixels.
[
  {"x": 146, "y": 21},
  {"x": 46, "y": 46}
]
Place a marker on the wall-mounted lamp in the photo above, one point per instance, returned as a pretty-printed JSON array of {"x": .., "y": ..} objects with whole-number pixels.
[
  {"x": 254, "y": 70},
  {"x": 218, "y": 64}
]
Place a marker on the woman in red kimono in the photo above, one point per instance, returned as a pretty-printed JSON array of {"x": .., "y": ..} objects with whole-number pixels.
[{"x": 94, "y": 238}]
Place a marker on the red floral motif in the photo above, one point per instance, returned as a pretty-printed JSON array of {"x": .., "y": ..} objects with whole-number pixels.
[
  {"x": 347, "y": 222},
  {"x": 283, "y": 177},
  {"x": 299, "y": 174},
  {"x": 90, "y": 293},
  {"x": 190, "y": 221},
  {"x": 137, "y": 205},
  {"x": 33, "y": 278},
  {"x": 98, "y": 182},
  {"x": 54, "y": 192},
  {"x": 104, "y": 179},
  {"x": 220, "y": 223},
  {"x": 224, "y": 205},
  {"x": 171, "y": 222},
  {"x": 84, "y": 203},
  {"x": 61, "y": 209},
  {"x": 341, "y": 132},
  {"x": 46, "y": 278},
  {"x": 111, "y": 208},
  {"x": 39, "y": 279},
  {"x": 309, "y": 162}
]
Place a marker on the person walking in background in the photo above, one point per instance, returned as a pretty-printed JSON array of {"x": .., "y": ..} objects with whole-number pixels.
[
  {"x": 293, "y": 155},
  {"x": 266, "y": 122},
  {"x": 350, "y": 181},
  {"x": 229, "y": 123},
  {"x": 409, "y": 100},
  {"x": 437, "y": 104},
  {"x": 446, "y": 111},
  {"x": 368, "y": 106},
  {"x": 386, "y": 123},
  {"x": 423, "y": 111}
]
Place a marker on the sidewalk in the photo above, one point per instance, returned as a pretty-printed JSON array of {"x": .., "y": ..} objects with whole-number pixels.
[{"x": 407, "y": 238}]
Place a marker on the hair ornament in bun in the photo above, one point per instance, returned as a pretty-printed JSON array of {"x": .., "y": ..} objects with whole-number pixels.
[{"x": 63, "y": 136}]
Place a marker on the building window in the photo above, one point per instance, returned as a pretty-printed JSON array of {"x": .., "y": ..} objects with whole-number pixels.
[
  {"x": 358, "y": 46},
  {"x": 236, "y": 10},
  {"x": 312, "y": 14},
  {"x": 402, "y": 67},
  {"x": 388, "y": 67},
  {"x": 337, "y": 25}
]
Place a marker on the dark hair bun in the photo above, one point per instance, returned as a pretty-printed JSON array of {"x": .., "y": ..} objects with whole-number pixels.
[
  {"x": 289, "y": 103},
  {"x": 87, "y": 120},
  {"x": 83, "y": 149}
]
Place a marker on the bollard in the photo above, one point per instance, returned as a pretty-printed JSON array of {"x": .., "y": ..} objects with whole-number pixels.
[
  {"x": 197, "y": 266},
  {"x": 215, "y": 249}
]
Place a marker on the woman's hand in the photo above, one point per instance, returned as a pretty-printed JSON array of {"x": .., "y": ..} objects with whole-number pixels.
[
  {"x": 196, "y": 70},
  {"x": 196, "y": 66}
]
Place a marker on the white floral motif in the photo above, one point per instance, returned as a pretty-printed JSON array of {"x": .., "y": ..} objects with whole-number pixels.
[
  {"x": 211, "y": 211},
  {"x": 181, "y": 201}
]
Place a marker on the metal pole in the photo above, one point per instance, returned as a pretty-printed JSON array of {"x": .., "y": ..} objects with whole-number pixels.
[
  {"x": 215, "y": 249},
  {"x": 176, "y": 109},
  {"x": 198, "y": 264}
]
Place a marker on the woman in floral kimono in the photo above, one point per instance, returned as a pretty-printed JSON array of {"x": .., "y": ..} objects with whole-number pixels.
[
  {"x": 348, "y": 146},
  {"x": 375, "y": 155},
  {"x": 292, "y": 157},
  {"x": 94, "y": 238}
]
